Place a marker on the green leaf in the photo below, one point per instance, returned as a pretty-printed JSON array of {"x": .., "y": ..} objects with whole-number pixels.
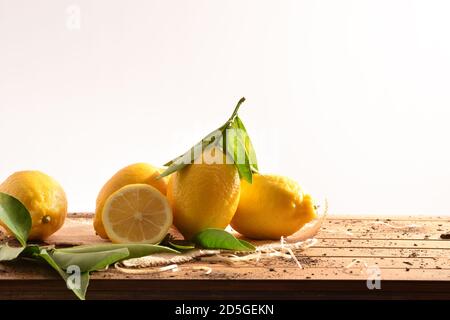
[
  {"x": 172, "y": 169},
  {"x": 32, "y": 250},
  {"x": 91, "y": 258},
  {"x": 89, "y": 261},
  {"x": 191, "y": 155},
  {"x": 15, "y": 217},
  {"x": 250, "y": 150},
  {"x": 245, "y": 172},
  {"x": 234, "y": 147},
  {"x": 220, "y": 239},
  {"x": 182, "y": 244},
  {"x": 84, "y": 276},
  {"x": 9, "y": 253},
  {"x": 135, "y": 250}
]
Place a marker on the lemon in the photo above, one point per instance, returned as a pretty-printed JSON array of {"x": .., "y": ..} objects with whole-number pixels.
[
  {"x": 43, "y": 197},
  {"x": 137, "y": 213},
  {"x": 138, "y": 173},
  {"x": 271, "y": 207},
  {"x": 203, "y": 196}
]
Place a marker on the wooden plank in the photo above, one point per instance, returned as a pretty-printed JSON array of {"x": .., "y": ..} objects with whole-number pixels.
[
  {"x": 408, "y": 253},
  {"x": 328, "y": 265},
  {"x": 376, "y": 243},
  {"x": 370, "y": 229},
  {"x": 289, "y": 273},
  {"x": 26, "y": 271},
  {"x": 385, "y": 223},
  {"x": 383, "y": 217},
  {"x": 308, "y": 262},
  {"x": 377, "y": 252},
  {"x": 216, "y": 289},
  {"x": 80, "y": 231}
]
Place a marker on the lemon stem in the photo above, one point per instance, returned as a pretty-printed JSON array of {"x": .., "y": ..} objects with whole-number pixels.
[{"x": 233, "y": 116}]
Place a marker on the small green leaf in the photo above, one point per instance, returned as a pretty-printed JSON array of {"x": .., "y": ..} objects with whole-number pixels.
[
  {"x": 182, "y": 244},
  {"x": 247, "y": 244},
  {"x": 32, "y": 249},
  {"x": 191, "y": 155},
  {"x": 236, "y": 148},
  {"x": 135, "y": 250},
  {"x": 171, "y": 169},
  {"x": 245, "y": 172},
  {"x": 84, "y": 280},
  {"x": 250, "y": 150},
  {"x": 9, "y": 253},
  {"x": 220, "y": 239},
  {"x": 15, "y": 216}
]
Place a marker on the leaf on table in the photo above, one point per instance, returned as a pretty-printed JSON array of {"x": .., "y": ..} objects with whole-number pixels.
[
  {"x": 182, "y": 245},
  {"x": 135, "y": 250},
  {"x": 9, "y": 253},
  {"x": 15, "y": 217},
  {"x": 80, "y": 291},
  {"x": 89, "y": 261},
  {"x": 90, "y": 258},
  {"x": 213, "y": 238}
]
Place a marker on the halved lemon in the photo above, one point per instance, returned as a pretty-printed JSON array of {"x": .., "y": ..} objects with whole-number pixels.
[{"x": 137, "y": 213}]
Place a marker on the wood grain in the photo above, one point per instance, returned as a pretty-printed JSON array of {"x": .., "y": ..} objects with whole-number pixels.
[{"x": 408, "y": 253}]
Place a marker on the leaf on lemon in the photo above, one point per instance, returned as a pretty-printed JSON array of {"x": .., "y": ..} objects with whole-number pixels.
[
  {"x": 213, "y": 238},
  {"x": 232, "y": 138},
  {"x": 249, "y": 149},
  {"x": 192, "y": 154},
  {"x": 15, "y": 217},
  {"x": 235, "y": 148}
]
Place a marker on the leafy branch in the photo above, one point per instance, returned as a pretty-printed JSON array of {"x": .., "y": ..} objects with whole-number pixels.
[{"x": 231, "y": 138}]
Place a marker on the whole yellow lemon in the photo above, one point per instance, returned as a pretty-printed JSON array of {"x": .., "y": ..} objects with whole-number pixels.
[
  {"x": 138, "y": 173},
  {"x": 203, "y": 196},
  {"x": 43, "y": 197},
  {"x": 271, "y": 207}
]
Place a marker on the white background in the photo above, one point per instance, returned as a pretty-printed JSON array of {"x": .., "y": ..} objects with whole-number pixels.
[{"x": 351, "y": 98}]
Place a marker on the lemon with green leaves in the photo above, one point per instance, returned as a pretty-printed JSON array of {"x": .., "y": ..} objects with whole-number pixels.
[{"x": 204, "y": 190}]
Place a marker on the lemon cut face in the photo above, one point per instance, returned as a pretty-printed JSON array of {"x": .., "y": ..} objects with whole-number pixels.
[
  {"x": 137, "y": 173},
  {"x": 137, "y": 213}
]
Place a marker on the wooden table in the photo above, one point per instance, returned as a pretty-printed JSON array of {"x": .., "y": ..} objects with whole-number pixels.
[{"x": 408, "y": 253}]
